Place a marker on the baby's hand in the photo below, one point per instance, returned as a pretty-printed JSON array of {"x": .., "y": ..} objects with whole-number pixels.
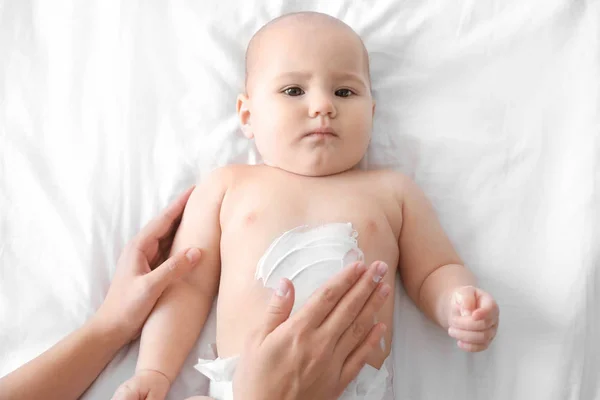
[
  {"x": 145, "y": 385},
  {"x": 473, "y": 318}
]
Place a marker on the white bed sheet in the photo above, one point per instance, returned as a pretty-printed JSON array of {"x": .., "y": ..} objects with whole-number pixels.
[{"x": 110, "y": 108}]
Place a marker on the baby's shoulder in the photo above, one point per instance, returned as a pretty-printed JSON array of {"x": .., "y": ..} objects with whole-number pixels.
[
  {"x": 212, "y": 187},
  {"x": 392, "y": 182},
  {"x": 389, "y": 179},
  {"x": 226, "y": 175}
]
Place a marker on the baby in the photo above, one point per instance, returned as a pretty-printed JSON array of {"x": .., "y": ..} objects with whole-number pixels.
[{"x": 304, "y": 214}]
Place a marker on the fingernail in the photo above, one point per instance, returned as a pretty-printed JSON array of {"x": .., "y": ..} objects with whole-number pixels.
[
  {"x": 193, "y": 255},
  {"x": 283, "y": 289},
  {"x": 382, "y": 343},
  {"x": 380, "y": 272},
  {"x": 458, "y": 298},
  {"x": 384, "y": 290}
]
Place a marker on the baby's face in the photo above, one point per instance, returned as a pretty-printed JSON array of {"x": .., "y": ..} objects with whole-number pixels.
[{"x": 309, "y": 105}]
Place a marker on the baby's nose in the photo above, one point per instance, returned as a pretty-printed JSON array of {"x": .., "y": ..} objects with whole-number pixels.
[{"x": 322, "y": 105}]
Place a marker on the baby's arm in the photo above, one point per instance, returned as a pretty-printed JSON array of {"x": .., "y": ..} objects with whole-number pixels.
[
  {"x": 436, "y": 280},
  {"x": 430, "y": 268},
  {"x": 179, "y": 315}
]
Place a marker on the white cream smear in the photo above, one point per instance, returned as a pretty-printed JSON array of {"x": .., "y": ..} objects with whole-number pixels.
[{"x": 308, "y": 256}]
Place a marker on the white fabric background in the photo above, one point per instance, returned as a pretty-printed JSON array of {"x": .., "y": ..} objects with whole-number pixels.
[{"x": 108, "y": 109}]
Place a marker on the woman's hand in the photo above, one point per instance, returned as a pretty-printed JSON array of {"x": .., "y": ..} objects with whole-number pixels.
[
  {"x": 317, "y": 352},
  {"x": 67, "y": 369},
  {"x": 144, "y": 272}
]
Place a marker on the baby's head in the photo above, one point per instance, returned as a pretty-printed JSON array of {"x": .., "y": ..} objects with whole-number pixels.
[{"x": 308, "y": 102}]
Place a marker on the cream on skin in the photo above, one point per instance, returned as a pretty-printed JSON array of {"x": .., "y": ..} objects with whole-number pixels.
[{"x": 308, "y": 257}]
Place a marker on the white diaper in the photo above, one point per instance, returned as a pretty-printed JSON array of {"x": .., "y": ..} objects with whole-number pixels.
[
  {"x": 308, "y": 257},
  {"x": 370, "y": 384}
]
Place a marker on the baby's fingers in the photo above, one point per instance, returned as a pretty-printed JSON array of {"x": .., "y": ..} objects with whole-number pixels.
[
  {"x": 124, "y": 392},
  {"x": 469, "y": 323},
  {"x": 472, "y": 337},
  {"x": 472, "y": 348},
  {"x": 487, "y": 308}
]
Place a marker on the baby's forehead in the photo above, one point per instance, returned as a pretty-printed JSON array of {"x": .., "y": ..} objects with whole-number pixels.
[
  {"x": 299, "y": 26},
  {"x": 289, "y": 30},
  {"x": 303, "y": 22}
]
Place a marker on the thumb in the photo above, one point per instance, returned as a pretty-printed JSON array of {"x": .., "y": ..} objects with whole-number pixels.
[
  {"x": 466, "y": 299},
  {"x": 279, "y": 307},
  {"x": 172, "y": 269}
]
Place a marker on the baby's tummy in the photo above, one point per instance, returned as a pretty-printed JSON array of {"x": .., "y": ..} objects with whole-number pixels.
[{"x": 308, "y": 256}]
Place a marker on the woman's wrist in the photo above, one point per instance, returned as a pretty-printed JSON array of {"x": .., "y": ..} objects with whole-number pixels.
[{"x": 110, "y": 335}]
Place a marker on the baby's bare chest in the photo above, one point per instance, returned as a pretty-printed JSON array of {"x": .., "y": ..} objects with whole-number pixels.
[{"x": 257, "y": 214}]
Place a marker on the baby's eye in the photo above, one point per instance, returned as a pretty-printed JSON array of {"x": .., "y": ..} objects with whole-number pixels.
[
  {"x": 344, "y": 92},
  {"x": 294, "y": 91}
]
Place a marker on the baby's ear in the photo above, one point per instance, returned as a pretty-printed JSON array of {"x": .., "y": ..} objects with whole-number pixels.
[{"x": 243, "y": 112}]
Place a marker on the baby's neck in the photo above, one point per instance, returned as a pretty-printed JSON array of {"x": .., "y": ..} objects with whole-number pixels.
[{"x": 356, "y": 167}]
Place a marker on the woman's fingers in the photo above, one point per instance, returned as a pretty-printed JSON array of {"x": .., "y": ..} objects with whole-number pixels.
[
  {"x": 173, "y": 268},
  {"x": 279, "y": 308},
  {"x": 361, "y": 325},
  {"x": 320, "y": 304},
  {"x": 161, "y": 225},
  {"x": 345, "y": 312},
  {"x": 358, "y": 358}
]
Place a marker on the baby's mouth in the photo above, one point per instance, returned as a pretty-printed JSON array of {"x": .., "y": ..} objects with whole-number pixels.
[{"x": 322, "y": 132}]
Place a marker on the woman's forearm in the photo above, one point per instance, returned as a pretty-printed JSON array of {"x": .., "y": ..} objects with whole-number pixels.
[{"x": 67, "y": 369}]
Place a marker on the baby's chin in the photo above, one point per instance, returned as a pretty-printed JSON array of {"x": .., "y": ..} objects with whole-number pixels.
[{"x": 314, "y": 170}]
